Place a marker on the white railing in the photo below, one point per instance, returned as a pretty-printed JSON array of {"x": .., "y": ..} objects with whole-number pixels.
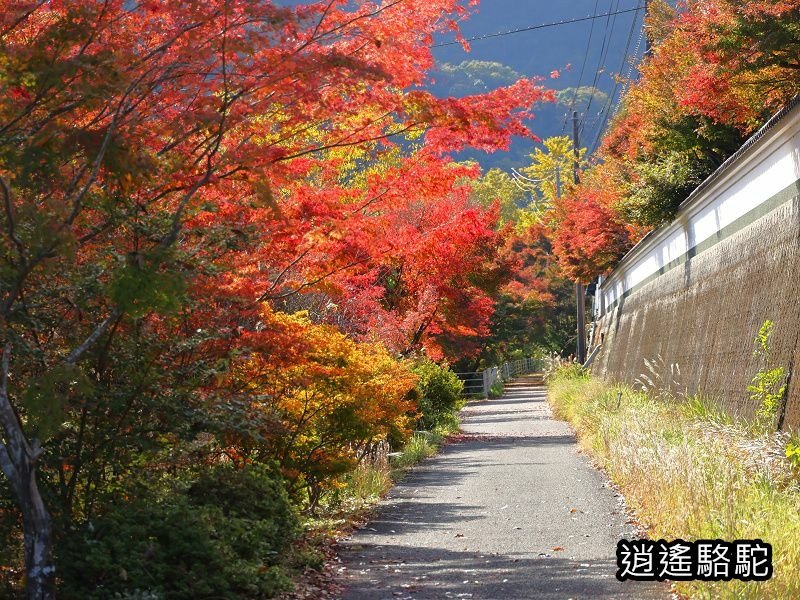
[{"x": 478, "y": 383}]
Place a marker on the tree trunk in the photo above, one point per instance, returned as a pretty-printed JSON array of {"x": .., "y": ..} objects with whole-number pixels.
[
  {"x": 38, "y": 532},
  {"x": 37, "y": 524},
  {"x": 18, "y": 460}
]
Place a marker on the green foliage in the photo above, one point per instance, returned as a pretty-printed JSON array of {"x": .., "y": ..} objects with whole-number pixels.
[
  {"x": 439, "y": 393},
  {"x": 497, "y": 389},
  {"x": 683, "y": 153},
  {"x": 793, "y": 452},
  {"x": 768, "y": 387},
  {"x": 222, "y": 539},
  {"x": 697, "y": 406},
  {"x": 368, "y": 481},
  {"x": 421, "y": 445},
  {"x": 661, "y": 187},
  {"x": 46, "y": 398},
  {"x": 558, "y": 370},
  {"x": 140, "y": 287},
  {"x": 497, "y": 186},
  {"x": 252, "y": 500}
]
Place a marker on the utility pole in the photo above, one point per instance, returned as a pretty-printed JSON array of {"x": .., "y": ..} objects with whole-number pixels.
[
  {"x": 558, "y": 182},
  {"x": 647, "y": 48},
  {"x": 580, "y": 294}
]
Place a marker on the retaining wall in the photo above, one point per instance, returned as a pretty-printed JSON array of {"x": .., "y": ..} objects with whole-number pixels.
[{"x": 683, "y": 307}]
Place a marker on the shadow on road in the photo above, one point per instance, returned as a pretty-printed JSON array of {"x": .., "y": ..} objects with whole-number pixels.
[{"x": 392, "y": 572}]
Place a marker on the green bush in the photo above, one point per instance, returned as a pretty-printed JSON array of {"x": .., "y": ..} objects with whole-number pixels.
[
  {"x": 497, "y": 389},
  {"x": 252, "y": 500},
  {"x": 768, "y": 388},
  {"x": 439, "y": 393},
  {"x": 222, "y": 539}
]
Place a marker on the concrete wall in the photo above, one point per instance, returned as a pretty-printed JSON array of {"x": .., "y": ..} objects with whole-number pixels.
[{"x": 684, "y": 306}]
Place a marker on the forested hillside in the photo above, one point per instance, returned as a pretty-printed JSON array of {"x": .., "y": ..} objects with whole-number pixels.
[{"x": 596, "y": 56}]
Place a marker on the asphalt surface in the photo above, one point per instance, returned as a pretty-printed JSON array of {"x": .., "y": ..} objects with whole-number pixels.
[{"x": 510, "y": 511}]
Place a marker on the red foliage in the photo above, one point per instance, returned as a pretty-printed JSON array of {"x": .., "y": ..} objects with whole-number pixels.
[{"x": 589, "y": 238}]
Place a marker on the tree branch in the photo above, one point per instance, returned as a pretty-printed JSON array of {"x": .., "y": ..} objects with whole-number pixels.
[
  {"x": 75, "y": 355},
  {"x": 12, "y": 226}
]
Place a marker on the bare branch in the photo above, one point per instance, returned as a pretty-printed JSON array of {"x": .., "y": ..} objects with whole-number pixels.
[
  {"x": 175, "y": 227},
  {"x": 21, "y": 19},
  {"x": 322, "y": 18},
  {"x": 347, "y": 23},
  {"x": 275, "y": 283},
  {"x": 76, "y": 202},
  {"x": 342, "y": 144},
  {"x": 265, "y": 297},
  {"x": 12, "y": 233},
  {"x": 75, "y": 355}
]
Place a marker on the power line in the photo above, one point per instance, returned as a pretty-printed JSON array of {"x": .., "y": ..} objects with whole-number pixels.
[
  {"x": 607, "y": 37},
  {"x": 629, "y": 74},
  {"x": 634, "y": 60},
  {"x": 542, "y": 26},
  {"x": 583, "y": 67},
  {"x": 610, "y": 101}
]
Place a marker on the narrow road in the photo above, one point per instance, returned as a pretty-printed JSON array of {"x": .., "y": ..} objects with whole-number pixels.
[{"x": 511, "y": 511}]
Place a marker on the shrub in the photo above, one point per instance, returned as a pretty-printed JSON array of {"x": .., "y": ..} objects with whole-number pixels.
[
  {"x": 497, "y": 389},
  {"x": 439, "y": 393},
  {"x": 222, "y": 539},
  {"x": 253, "y": 500},
  {"x": 768, "y": 387}
]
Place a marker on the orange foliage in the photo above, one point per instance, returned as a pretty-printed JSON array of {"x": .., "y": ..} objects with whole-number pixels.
[{"x": 315, "y": 400}]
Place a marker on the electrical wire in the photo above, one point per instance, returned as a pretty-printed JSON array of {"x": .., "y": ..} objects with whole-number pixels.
[
  {"x": 607, "y": 36},
  {"x": 571, "y": 104},
  {"x": 534, "y": 27},
  {"x": 635, "y": 59},
  {"x": 606, "y": 110},
  {"x": 627, "y": 78}
]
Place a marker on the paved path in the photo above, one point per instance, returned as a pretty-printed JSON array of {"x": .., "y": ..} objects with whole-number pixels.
[{"x": 510, "y": 512}]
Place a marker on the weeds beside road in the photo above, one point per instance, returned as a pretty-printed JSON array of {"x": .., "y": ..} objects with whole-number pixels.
[{"x": 689, "y": 471}]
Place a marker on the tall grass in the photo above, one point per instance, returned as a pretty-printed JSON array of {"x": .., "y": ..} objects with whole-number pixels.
[
  {"x": 370, "y": 480},
  {"x": 421, "y": 445},
  {"x": 689, "y": 471}
]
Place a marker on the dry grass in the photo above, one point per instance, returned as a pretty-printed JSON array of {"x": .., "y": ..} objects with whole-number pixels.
[
  {"x": 690, "y": 472},
  {"x": 370, "y": 480}
]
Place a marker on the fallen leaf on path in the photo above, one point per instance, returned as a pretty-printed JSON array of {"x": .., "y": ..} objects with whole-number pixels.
[
  {"x": 557, "y": 549},
  {"x": 459, "y": 535}
]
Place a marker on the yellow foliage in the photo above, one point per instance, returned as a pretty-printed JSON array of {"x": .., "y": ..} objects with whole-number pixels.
[{"x": 328, "y": 398}]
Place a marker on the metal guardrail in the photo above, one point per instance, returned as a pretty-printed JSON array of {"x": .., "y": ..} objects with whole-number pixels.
[{"x": 480, "y": 382}]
